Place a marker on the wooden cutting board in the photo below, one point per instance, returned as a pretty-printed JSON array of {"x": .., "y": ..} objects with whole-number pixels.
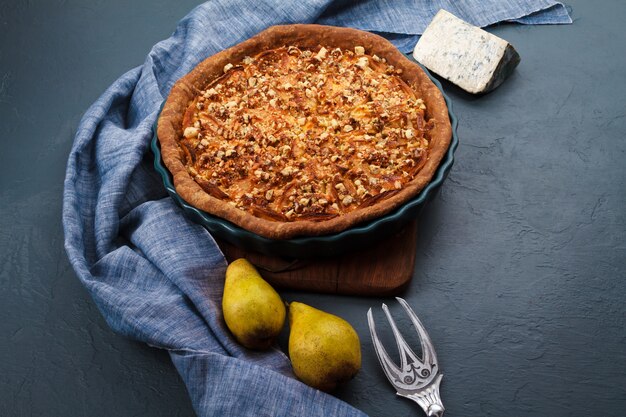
[{"x": 381, "y": 270}]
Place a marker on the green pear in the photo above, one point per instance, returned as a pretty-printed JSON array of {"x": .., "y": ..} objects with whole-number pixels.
[
  {"x": 253, "y": 310},
  {"x": 325, "y": 350}
]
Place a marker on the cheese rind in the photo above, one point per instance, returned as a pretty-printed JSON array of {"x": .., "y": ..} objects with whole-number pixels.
[{"x": 466, "y": 55}]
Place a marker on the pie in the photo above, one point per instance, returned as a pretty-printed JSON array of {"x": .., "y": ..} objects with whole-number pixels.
[{"x": 303, "y": 130}]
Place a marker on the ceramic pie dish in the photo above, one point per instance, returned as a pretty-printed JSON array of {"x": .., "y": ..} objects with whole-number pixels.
[
  {"x": 422, "y": 128},
  {"x": 303, "y": 130}
]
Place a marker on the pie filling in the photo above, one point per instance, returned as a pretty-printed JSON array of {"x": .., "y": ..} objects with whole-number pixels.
[{"x": 295, "y": 134}]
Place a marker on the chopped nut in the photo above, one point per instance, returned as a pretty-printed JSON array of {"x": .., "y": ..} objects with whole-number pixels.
[
  {"x": 321, "y": 54},
  {"x": 347, "y": 200},
  {"x": 397, "y": 185},
  {"x": 357, "y": 182},
  {"x": 289, "y": 214},
  {"x": 231, "y": 104},
  {"x": 191, "y": 132},
  {"x": 301, "y": 121},
  {"x": 252, "y": 81},
  {"x": 362, "y": 62},
  {"x": 347, "y": 128},
  {"x": 269, "y": 194},
  {"x": 204, "y": 142},
  {"x": 340, "y": 187},
  {"x": 334, "y": 158},
  {"x": 408, "y": 133},
  {"x": 304, "y": 201},
  {"x": 273, "y": 102},
  {"x": 248, "y": 60},
  {"x": 376, "y": 58},
  {"x": 228, "y": 67},
  {"x": 359, "y": 50}
]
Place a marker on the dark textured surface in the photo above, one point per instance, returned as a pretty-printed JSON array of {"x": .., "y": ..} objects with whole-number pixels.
[{"x": 521, "y": 263}]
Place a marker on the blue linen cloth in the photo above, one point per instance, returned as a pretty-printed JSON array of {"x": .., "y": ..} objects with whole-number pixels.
[{"x": 158, "y": 277}]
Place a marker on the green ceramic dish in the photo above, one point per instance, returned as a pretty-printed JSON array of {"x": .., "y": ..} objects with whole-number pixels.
[{"x": 354, "y": 238}]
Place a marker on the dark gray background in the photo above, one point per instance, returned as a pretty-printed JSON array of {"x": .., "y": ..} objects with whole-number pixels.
[{"x": 520, "y": 272}]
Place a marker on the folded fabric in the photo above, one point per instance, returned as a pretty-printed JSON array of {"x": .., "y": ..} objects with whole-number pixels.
[{"x": 156, "y": 276}]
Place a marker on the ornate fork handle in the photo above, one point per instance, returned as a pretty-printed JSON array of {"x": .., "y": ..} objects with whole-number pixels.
[
  {"x": 428, "y": 398},
  {"x": 416, "y": 378}
]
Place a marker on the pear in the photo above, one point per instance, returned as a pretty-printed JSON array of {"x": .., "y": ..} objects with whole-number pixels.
[
  {"x": 325, "y": 350},
  {"x": 253, "y": 310}
]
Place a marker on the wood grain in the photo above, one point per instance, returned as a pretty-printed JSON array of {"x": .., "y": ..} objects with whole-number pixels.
[{"x": 383, "y": 269}]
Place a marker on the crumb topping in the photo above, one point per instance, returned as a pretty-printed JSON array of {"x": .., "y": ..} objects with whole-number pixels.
[{"x": 296, "y": 134}]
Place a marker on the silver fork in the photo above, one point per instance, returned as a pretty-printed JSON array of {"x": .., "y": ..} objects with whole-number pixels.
[{"x": 416, "y": 379}]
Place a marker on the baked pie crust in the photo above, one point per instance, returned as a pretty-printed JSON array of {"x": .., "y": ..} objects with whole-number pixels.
[{"x": 303, "y": 130}]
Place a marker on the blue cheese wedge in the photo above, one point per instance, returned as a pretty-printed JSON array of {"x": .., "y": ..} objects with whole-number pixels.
[{"x": 466, "y": 55}]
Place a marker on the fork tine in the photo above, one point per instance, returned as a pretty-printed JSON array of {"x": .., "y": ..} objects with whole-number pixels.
[
  {"x": 389, "y": 367},
  {"x": 429, "y": 356},
  {"x": 403, "y": 347}
]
